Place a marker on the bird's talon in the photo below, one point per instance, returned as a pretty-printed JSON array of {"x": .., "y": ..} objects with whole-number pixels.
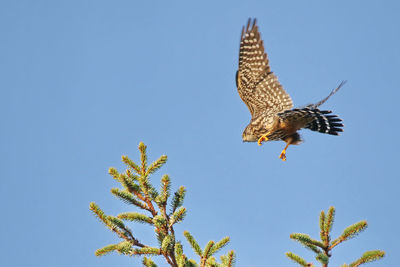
[
  {"x": 262, "y": 139},
  {"x": 283, "y": 156}
]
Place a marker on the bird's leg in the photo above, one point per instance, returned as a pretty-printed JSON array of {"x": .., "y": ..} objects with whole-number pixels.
[
  {"x": 283, "y": 154},
  {"x": 263, "y": 138}
]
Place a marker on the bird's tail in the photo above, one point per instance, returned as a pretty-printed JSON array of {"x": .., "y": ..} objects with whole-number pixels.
[{"x": 322, "y": 122}]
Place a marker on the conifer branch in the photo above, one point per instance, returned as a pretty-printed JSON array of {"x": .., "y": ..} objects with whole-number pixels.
[
  {"x": 116, "y": 222},
  {"x": 128, "y": 198},
  {"x": 124, "y": 247},
  {"x": 160, "y": 223},
  {"x": 322, "y": 228},
  {"x": 143, "y": 158},
  {"x": 219, "y": 245},
  {"x": 105, "y": 219},
  {"x": 135, "y": 217},
  {"x": 350, "y": 232},
  {"x": 206, "y": 253},
  {"x": 178, "y": 198},
  {"x": 133, "y": 177},
  {"x": 138, "y": 191},
  {"x": 193, "y": 243},
  {"x": 308, "y": 242},
  {"x": 325, "y": 225},
  {"x": 105, "y": 250},
  {"x": 322, "y": 258},
  {"x": 147, "y": 251},
  {"x": 328, "y": 226},
  {"x": 179, "y": 256},
  {"x": 128, "y": 183},
  {"x": 329, "y": 220},
  {"x": 98, "y": 213},
  {"x": 114, "y": 173},
  {"x": 164, "y": 192},
  {"x": 297, "y": 259},
  {"x": 212, "y": 262},
  {"x": 156, "y": 164},
  {"x": 131, "y": 164},
  {"x": 368, "y": 256},
  {"x": 166, "y": 244},
  {"x": 150, "y": 194},
  {"x": 177, "y": 216},
  {"x": 229, "y": 259}
]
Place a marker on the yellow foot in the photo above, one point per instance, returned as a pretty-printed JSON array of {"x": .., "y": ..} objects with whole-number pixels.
[
  {"x": 262, "y": 139},
  {"x": 283, "y": 155}
]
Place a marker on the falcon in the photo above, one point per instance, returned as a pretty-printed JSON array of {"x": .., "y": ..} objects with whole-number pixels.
[{"x": 273, "y": 117}]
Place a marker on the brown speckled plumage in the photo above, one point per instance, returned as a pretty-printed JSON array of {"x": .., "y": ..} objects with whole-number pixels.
[{"x": 271, "y": 108}]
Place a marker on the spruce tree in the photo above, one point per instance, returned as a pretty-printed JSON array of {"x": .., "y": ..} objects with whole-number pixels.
[
  {"x": 161, "y": 211},
  {"x": 138, "y": 191},
  {"x": 323, "y": 248}
]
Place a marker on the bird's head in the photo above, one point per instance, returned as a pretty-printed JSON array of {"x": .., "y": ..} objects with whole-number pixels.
[{"x": 248, "y": 135}]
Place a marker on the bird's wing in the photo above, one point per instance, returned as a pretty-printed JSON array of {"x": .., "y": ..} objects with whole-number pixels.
[{"x": 258, "y": 87}]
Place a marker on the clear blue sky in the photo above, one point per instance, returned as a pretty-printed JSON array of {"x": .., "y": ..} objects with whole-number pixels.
[{"x": 83, "y": 82}]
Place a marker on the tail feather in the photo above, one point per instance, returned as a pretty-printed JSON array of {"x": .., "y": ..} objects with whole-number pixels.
[
  {"x": 328, "y": 124},
  {"x": 322, "y": 122}
]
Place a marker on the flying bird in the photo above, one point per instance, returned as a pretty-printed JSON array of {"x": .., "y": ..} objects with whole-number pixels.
[{"x": 272, "y": 114}]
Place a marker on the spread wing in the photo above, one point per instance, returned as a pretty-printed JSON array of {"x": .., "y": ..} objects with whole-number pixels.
[{"x": 258, "y": 87}]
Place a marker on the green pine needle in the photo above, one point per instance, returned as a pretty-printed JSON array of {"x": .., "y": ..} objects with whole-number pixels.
[
  {"x": 207, "y": 249},
  {"x": 144, "y": 185},
  {"x": 368, "y": 256},
  {"x": 143, "y": 156},
  {"x": 297, "y": 259},
  {"x": 329, "y": 220},
  {"x": 129, "y": 184},
  {"x": 131, "y": 164},
  {"x": 116, "y": 222},
  {"x": 307, "y": 242},
  {"x": 219, "y": 245},
  {"x": 156, "y": 164},
  {"x": 147, "y": 251},
  {"x": 135, "y": 216},
  {"x": 99, "y": 213},
  {"x": 193, "y": 243},
  {"x": 165, "y": 190},
  {"x": 128, "y": 198},
  {"x": 160, "y": 237},
  {"x": 353, "y": 230},
  {"x": 179, "y": 196},
  {"x": 178, "y": 249},
  {"x": 114, "y": 173},
  {"x": 129, "y": 174},
  {"x": 124, "y": 248},
  {"x": 159, "y": 221},
  {"x": 191, "y": 263},
  {"x": 105, "y": 250},
  {"x": 166, "y": 244},
  {"x": 148, "y": 262},
  {"x": 153, "y": 192},
  {"x": 322, "y": 226},
  {"x": 177, "y": 216},
  {"x": 179, "y": 256},
  {"x": 229, "y": 259},
  {"x": 322, "y": 258},
  {"x": 212, "y": 262}
]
